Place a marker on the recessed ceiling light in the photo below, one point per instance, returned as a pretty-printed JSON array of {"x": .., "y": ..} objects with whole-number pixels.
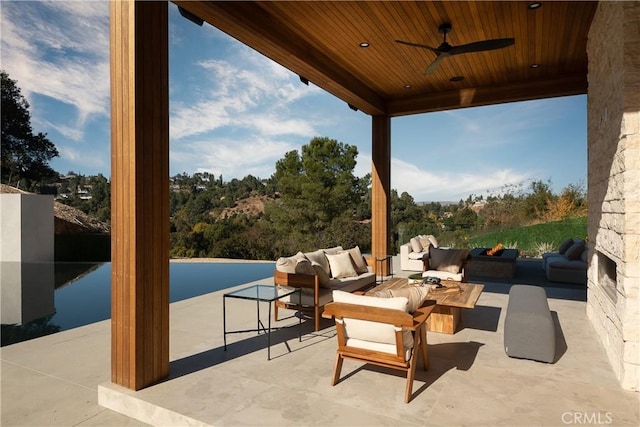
[
  {"x": 407, "y": 86},
  {"x": 535, "y": 66},
  {"x": 534, "y": 5},
  {"x": 364, "y": 44},
  {"x": 456, "y": 79}
]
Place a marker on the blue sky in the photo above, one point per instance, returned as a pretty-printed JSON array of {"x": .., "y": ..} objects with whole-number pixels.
[{"x": 234, "y": 112}]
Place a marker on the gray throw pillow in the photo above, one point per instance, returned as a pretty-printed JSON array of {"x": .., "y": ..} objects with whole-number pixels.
[
  {"x": 564, "y": 246},
  {"x": 574, "y": 251},
  {"x": 449, "y": 260}
]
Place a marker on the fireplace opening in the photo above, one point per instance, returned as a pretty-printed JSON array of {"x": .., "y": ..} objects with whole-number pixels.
[{"x": 607, "y": 275}]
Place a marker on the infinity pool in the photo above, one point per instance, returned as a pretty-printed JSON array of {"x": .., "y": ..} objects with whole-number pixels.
[{"x": 81, "y": 293}]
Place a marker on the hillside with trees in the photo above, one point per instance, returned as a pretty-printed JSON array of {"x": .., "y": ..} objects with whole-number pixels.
[{"x": 312, "y": 200}]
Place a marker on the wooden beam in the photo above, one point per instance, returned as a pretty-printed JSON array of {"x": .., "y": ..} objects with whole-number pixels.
[
  {"x": 475, "y": 97},
  {"x": 254, "y": 26},
  {"x": 139, "y": 192},
  {"x": 381, "y": 189}
]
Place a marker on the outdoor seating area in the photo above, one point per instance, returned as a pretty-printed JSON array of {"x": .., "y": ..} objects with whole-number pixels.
[
  {"x": 470, "y": 379},
  {"x": 317, "y": 274}
]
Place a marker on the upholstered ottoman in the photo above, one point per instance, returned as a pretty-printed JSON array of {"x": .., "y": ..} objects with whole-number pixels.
[{"x": 529, "y": 331}]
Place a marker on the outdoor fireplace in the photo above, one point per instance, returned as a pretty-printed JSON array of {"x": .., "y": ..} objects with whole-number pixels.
[{"x": 607, "y": 276}]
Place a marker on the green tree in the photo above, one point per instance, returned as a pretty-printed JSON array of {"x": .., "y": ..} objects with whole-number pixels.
[
  {"x": 25, "y": 156},
  {"x": 537, "y": 202},
  {"x": 318, "y": 193}
]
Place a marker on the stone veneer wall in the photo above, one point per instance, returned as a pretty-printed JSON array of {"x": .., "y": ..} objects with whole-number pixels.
[{"x": 614, "y": 185}]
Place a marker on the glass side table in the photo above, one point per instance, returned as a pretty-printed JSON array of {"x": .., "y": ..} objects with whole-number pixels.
[{"x": 260, "y": 293}]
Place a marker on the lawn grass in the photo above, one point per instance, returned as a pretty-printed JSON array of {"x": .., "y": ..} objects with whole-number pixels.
[{"x": 532, "y": 240}]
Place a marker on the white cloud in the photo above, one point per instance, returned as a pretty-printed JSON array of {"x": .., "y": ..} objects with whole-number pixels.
[
  {"x": 60, "y": 50},
  {"x": 255, "y": 155},
  {"x": 72, "y": 133},
  {"x": 272, "y": 125},
  {"x": 247, "y": 92},
  {"x": 88, "y": 160},
  {"x": 429, "y": 184}
]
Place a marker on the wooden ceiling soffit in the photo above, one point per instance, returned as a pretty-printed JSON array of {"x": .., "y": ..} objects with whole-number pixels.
[
  {"x": 474, "y": 97},
  {"x": 252, "y": 25}
]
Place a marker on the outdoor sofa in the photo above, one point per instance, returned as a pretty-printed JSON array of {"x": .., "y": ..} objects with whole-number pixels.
[
  {"x": 413, "y": 252},
  {"x": 318, "y": 274},
  {"x": 422, "y": 253},
  {"x": 567, "y": 265}
]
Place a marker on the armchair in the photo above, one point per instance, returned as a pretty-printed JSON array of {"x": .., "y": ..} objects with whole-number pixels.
[
  {"x": 446, "y": 264},
  {"x": 379, "y": 331}
]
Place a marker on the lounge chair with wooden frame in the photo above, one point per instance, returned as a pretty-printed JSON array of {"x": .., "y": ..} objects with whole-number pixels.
[{"x": 379, "y": 331}]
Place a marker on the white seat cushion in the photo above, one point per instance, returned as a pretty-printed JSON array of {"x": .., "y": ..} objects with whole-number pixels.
[
  {"x": 374, "y": 332},
  {"x": 417, "y": 255}
]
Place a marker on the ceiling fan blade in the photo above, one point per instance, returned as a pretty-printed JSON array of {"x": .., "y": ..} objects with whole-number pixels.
[
  {"x": 481, "y": 46},
  {"x": 434, "y": 65},
  {"x": 424, "y": 46}
]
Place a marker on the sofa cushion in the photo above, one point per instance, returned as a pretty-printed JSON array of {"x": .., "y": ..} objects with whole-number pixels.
[
  {"x": 418, "y": 255},
  {"x": 574, "y": 251},
  {"x": 415, "y": 244},
  {"x": 416, "y": 295},
  {"x": 449, "y": 260},
  {"x": 433, "y": 240},
  {"x": 561, "y": 262},
  {"x": 444, "y": 275},
  {"x": 297, "y": 263},
  {"x": 320, "y": 258},
  {"x": 363, "y": 330},
  {"x": 341, "y": 265},
  {"x": 358, "y": 261},
  {"x": 566, "y": 244},
  {"x": 352, "y": 284},
  {"x": 424, "y": 243},
  {"x": 334, "y": 250}
]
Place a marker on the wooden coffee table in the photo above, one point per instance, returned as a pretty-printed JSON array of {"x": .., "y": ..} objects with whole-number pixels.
[{"x": 446, "y": 316}]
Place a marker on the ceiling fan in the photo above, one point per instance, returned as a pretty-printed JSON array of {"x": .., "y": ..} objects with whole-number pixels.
[{"x": 445, "y": 49}]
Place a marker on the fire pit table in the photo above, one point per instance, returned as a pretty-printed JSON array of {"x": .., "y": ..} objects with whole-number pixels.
[{"x": 501, "y": 265}]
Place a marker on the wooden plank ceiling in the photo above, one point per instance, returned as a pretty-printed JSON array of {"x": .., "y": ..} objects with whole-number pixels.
[{"x": 320, "y": 41}]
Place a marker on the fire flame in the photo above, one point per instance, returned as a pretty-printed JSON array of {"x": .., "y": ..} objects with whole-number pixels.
[{"x": 495, "y": 249}]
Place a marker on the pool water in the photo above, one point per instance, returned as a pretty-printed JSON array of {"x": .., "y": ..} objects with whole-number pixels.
[{"x": 87, "y": 299}]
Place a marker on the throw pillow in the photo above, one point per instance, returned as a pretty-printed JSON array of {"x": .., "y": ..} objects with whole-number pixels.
[
  {"x": 358, "y": 261},
  {"x": 341, "y": 266},
  {"x": 304, "y": 267},
  {"x": 433, "y": 240},
  {"x": 425, "y": 243},
  {"x": 449, "y": 260},
  {"x": 323, "y": 278},
  {"x": 566, "y": 244},
  {"x": 415, "y": 244},
  {"x": 292, "y": 265},
  {"x": 319, "y": 258},
  {"x": 416, "y": 295},
  {"x": 333, "y": 251},
  {"x": 574, "y": 251}
]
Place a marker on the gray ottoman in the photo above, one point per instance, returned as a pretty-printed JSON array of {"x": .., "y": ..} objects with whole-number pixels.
[{"x": 529, "y": 331}]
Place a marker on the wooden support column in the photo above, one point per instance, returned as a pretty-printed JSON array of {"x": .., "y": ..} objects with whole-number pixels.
[
  {"x": 139, "y": 192},
  {"x": 381, "y": 189}
]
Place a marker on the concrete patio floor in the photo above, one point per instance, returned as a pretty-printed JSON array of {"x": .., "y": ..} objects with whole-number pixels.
[{"x": 63, "y": 379}]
